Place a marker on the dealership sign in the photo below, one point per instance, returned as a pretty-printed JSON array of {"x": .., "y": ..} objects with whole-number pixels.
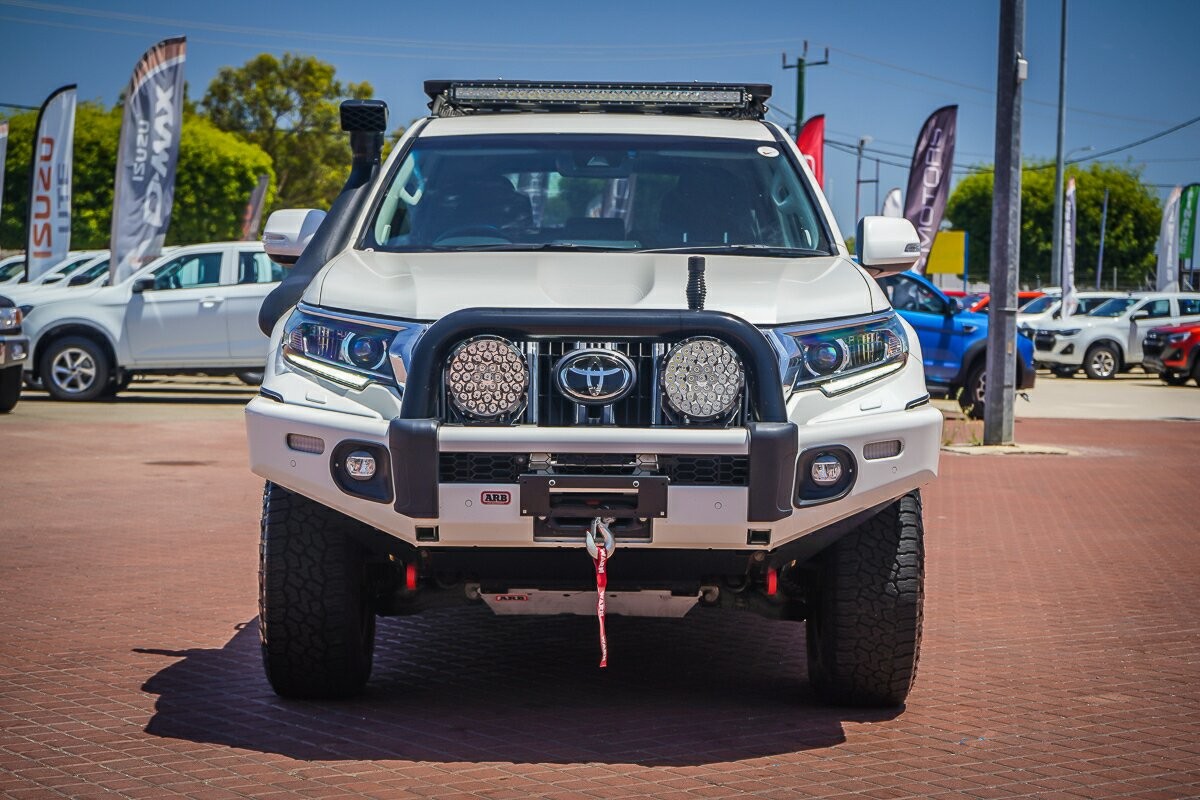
[{"x": 49, "y": 224}]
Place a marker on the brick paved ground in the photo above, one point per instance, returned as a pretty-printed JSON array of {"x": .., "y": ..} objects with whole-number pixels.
[{"x": 1061, "y": 658}]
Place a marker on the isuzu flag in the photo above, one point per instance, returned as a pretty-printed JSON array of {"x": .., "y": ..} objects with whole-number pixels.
[
  {"x": 1069, "y": 301},
  {"x": 252, "y": 216},
  {"x": 3, "y": 154},
  {"x": 929, "y": 178},
  {"x": 146, "y": 157},
  {"x": 49, "y": 229},
  {"x": 811, "y": 142},
  {"x": 1168, "y": 244},
  {"x": 893, "y": 204}
]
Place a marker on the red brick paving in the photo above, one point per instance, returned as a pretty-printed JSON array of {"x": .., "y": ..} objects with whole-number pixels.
[{"x": 1061, "y": 656}]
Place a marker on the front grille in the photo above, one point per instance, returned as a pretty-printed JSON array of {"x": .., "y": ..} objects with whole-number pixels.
[
  {"x": 637, "y": 410},
  {"x": 508, "y": 467},
  {"x": 1152, "y": 345},
  {"x": 1044, "y": 340}
]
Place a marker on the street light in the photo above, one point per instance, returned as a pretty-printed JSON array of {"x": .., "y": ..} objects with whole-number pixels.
[{"x": 862, "y": 142}]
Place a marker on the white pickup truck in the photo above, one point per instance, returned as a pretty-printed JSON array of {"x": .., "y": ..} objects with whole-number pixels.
[{"x": 193, "y": 310}]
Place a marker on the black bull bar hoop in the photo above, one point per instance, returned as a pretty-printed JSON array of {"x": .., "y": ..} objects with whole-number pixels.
[{"x": 413, "y": 435}]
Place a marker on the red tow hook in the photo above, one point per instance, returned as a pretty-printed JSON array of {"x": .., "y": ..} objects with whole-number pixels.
[{"x": 772, "y": 581}]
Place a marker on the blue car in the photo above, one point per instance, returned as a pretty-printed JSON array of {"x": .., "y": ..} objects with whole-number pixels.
[{"x": 953, "y": 341}]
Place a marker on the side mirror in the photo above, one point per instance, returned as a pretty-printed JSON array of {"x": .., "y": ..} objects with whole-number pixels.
[
  {"x": 78, "y": 280},
  {"x": 49, "y": 279},
  {"x": 1139, "y": 315},
  {"x": 288, "y": 232},
  {"x": 953, "y": 306},
  {"x": 887, "y": 245},
  {"x": 142, "y": 284}
]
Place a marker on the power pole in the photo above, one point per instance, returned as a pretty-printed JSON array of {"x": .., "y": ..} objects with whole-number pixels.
[
  {"x": 802, "y": 64},
  {"x": 1103, "y": 225},
  {"x": 1000, "y": 388},
  {"x": 858, "y": 178},
  {"x": 1056, "y": 247}
]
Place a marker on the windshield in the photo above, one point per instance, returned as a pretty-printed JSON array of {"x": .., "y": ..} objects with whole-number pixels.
[
  {"x": 10, "y": 271},
  {"x": 1089, "y": 304},
  {"x": 605, "y": 192},
  {"x": 1039, "y": 305},
  {"x": 1113, "y": 308}
]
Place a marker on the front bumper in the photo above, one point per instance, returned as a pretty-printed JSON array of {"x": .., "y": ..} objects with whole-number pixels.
[
  {"x": 489, "y": 514},
  {"x": 14, "y": 351},
  {"x": 1058, "y": 350}
]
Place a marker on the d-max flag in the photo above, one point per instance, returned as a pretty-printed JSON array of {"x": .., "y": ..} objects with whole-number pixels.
[
  {"x": 811, "y": 142},
  {"x": 1069, "y": 301},
  {"x": 252, "y": 216},
  {"x": 1168, "y": 244},
  {"x": 3, "y": 154},
  {"x": 146, "y": 157},
  {"x": 929, "y": 178},
  {"x": 893, "y": 204},
  {"x": 49, "y": 228}
]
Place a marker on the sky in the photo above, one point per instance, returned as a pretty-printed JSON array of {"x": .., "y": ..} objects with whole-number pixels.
[{"x": 1131, "y": 66}]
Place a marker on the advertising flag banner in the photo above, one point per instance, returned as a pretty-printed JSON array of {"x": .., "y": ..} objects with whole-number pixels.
[
  {"x": 893, "y": 204},
  {"x": 811, "y": 142},
  {"x": 252, "y": 216},
  {"x": 1069, "y": 301},
  {"x": 1189, "y": 205},
  {"x": 1168, "y": 244},
  {"x": 49, "y": 227},
  {"x": 3, "y": 154},
  {"x": 146, "y": 157},
  {"x": 929, "y": 178}
]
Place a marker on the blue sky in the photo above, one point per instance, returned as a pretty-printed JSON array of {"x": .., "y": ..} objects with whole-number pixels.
[{"x": 1131, "y": 73}]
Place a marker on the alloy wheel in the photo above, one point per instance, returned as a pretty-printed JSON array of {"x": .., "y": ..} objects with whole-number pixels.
[
  {"x": 73, "y": 370},
  {"x": 1103, "y": 364}
]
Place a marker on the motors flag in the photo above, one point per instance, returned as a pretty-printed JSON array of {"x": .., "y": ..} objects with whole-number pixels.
[
  {"x": 929, "y": 178},
  {"x": 811, "y": 142}
]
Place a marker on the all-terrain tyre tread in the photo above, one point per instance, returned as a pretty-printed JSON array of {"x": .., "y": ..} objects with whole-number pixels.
[
  {"x": 871, "y": 591},
  {"x": 316, "y": 628}
]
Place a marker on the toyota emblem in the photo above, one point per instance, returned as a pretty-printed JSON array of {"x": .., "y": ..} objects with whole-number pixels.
[{"x": 595, "y": 377}]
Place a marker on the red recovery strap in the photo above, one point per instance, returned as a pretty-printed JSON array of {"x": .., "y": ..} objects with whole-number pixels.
[{"x": 601, "y": 561}]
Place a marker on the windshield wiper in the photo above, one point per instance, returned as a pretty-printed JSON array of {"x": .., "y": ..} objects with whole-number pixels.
[
  {"x": 741, "y": 249},
  {"x": 532, "y": 246}
]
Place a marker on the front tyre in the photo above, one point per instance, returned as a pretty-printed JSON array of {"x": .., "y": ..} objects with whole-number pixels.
[
  {"x": 75, "y": 368},
  {"x": 970, "y": 399},
  {"x": 10, "y": 388},
  {"x": 865, "y": 609},
  {"x": 315, "y": 619},
  {"x": 1102, "y": 361},
  {"x": 1175, "y": 378}
]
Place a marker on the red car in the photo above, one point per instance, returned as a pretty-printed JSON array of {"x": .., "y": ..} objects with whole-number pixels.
[
  {"x": 981, "y": 303},
  {"x": 1173, "y": 352}
]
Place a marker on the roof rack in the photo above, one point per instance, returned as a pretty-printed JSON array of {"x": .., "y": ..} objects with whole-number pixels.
[{"x": 738, "y": 101}]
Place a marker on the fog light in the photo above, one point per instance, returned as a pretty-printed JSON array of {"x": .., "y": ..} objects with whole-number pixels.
[
  {"x": 826, "y": 470},
  {"x": 306, "y": 444},
  {"x": 360, "y": 465}
]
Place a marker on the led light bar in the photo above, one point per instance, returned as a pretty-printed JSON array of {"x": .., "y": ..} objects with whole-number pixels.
[{"x": 452, "y": 98}]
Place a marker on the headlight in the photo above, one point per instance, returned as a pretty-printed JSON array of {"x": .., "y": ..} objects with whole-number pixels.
[
  {"x": 702, "y": 379},
  {"x": 352, "y": 353},
  {"x": 25, "y": 309},
  {"x": 10, "y": 320},
  {"x": 1069, "y": 332},
  {"x": 1178, "y": 338},
  {"x": 843, "y": 357},
  {"x": 487, "y": 378}
]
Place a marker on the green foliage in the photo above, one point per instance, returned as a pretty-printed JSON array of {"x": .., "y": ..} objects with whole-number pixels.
[
  {"x": 1134, "y": 214},
  {"x": 216, "y": 173},
  {"x": 289, "y": 108}
]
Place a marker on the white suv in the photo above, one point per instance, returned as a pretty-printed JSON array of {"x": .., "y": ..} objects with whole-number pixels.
[
  {"x": 1108, "y": 339},
  {"x": 542, "y": 354},
  {"x": 194, "y": 310}
]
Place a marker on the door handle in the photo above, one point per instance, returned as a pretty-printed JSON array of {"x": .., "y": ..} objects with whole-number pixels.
[
  {"x": 969, "y": 328},
  {"x": 211, "y": 302}
]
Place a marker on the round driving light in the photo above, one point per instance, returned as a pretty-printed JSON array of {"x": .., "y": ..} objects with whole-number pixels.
[
  {"x": 360, "y": 465},
  {"x": 367, "y": 352},
  {"x": 826, "y": 470},
  {"x": 824, "y": 358},
  {"x": 487, "y": 377},
  {"x": 702, "y": 378}
]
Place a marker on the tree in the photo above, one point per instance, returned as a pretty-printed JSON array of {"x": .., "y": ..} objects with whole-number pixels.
[
  {"x": 214, "y": 177},
  {"x": 289, "y": 108},
  {"x": 1134, "y": 214}
]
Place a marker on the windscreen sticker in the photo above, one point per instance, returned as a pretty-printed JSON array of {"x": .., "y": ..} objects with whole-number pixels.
[{"x": 769, "y": 152}]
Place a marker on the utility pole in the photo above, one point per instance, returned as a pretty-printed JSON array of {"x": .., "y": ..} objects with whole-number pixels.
[
  {"x": 802, "y": 64},
  {"x": 1000, "y": 386},
  {"x": 1056, "y": 247},
  {"x": 858, "y": 179}
]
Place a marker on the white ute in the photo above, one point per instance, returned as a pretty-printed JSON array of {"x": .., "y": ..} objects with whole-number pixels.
[
  {"x": 193, "y": 310},
  {"x": 589, "y": 349}
]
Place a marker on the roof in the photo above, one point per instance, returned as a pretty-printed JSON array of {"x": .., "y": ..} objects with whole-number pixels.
[{"x": 644, "y": 124}]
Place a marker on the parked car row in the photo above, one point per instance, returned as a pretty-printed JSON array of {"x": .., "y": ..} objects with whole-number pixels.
[{"x": 195, "y": 309}]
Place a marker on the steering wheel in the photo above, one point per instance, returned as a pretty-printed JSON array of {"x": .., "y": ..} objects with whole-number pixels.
[{"x": 489, "y": 231}]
